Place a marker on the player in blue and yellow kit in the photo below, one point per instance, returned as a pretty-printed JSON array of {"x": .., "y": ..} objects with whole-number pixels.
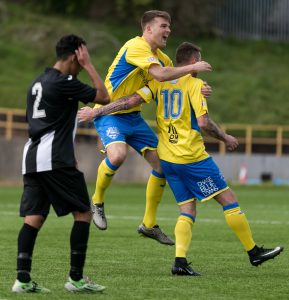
[
  {"x": 139, "y": 61},
  {"x": 190, "y": 171}
]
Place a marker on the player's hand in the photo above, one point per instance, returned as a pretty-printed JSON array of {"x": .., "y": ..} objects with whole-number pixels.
[
  {"x": 206, "y": 90},
  {"x": 85, "y": 114},
  {"x": 201, "y": 66},
  {"x": 83, "y": 56},
  {"x": 231, "y": 142}
]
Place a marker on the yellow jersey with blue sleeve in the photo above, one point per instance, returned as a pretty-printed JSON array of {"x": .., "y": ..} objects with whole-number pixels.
[
  {"x": 179, "y": 104},
  {"x": 129, "y": 70}
]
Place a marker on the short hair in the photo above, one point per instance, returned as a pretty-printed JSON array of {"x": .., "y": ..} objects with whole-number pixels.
[
  {"x": 149, "y": 15},
  {"x": 67, "y": 45},
  {"x": 185, "y": 51}
]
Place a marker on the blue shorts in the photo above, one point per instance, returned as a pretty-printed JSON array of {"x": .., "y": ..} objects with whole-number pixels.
[
  {"x": 200, "y": 180},
  {"x": 126, "y": 128}
]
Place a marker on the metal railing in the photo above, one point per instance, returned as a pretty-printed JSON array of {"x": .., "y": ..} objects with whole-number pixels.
[
  {"x": 254, "y": 19},
  {"x": 274, "y": 137}
]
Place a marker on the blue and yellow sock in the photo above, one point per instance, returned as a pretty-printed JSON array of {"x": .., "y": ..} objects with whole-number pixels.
[
  {"x": 183, "y": 234},
  {"x": 104, "y": 176},
  {"x": 154, "y": 192},
  {"x": 237, "y": 221}
]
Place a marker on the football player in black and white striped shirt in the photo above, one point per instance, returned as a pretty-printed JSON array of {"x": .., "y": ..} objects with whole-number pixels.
[{"x": 49, "y": 166}]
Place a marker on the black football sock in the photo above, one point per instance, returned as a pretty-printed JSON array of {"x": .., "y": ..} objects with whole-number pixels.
[
  {"x": 26, "y": 241},
  {"x": 78, "y": 245}
]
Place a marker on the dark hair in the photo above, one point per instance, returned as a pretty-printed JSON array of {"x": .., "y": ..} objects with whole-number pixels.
[
  {"x": 185, "y": 51},
  {"x": 67, "y": 45},
  {"x": 149, "y": 15}
]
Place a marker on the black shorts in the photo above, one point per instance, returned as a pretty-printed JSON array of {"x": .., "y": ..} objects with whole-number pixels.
[{"x": 65, "y": 189}]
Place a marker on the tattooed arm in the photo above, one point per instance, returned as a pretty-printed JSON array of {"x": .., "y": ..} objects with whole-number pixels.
[
  {"x": 88, "y": 114},
  {"x": 213, "y": 130}
]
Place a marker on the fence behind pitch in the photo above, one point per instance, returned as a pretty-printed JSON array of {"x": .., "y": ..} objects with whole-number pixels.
[{"x": 254, "y": 19}]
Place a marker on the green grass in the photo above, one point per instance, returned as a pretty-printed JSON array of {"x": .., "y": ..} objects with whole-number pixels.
[
  {"x": 133, "y": 267},
  {"x": 249, "y": 78}
]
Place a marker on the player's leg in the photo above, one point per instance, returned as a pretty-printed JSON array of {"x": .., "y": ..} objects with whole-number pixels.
[
  {"x": 144, "y": 141},
  {"x": 155, "y": 188},
  {"x": 235, "y": 218},
  {"x": 205, "y": 181},
  {"x": 34, "y": 209},
  {"x": 183, "y": 229},
  {"x": 78, "y": 248},
  {"x": 78, "y": 244},
  {"x": 67, "y": 192},
  {"x": 116, "y": 154},
  {"x": 183, "y": 237},
  {"x": 154, "y": 191},
  {"x": 112, "y": 131},
  {"x": 237, "y": 221}
]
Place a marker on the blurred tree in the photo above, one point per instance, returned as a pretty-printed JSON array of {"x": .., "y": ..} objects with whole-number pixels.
[
  {"x": 60, "y": 7},
  {"x": 191, "y": 18}
]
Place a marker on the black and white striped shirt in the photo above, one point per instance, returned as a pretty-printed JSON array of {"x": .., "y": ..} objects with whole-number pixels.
[{"x": 52, "y": 104}]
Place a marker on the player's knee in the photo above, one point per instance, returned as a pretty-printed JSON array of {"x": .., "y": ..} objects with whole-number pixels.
[
  {"x": 226, "y": 197},
  {"x": 83, "y": 216},
  {"x": 117, "y": 155},
  {"x": 117, "y": 159},
  {"x": 158, "y": 169},
  {"x": 189, "y": 208},
  {"x": 152, "y": 158},
  {"x": 35, "y": 221}
]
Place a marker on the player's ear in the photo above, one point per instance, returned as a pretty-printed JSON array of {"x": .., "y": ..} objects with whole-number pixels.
[
  {"x": 193, "y": 61},
  {"x": 148, "y": 28},
  {"x": 73, "y": 57}
]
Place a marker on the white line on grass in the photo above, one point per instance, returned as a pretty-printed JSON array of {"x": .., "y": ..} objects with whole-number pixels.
[{"x": 136, "y": 218}]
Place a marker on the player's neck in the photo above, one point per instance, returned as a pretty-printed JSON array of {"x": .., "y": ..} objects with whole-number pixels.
[
  {"x": 62, "y": 66},
  {"x": 154, "y": 47}
]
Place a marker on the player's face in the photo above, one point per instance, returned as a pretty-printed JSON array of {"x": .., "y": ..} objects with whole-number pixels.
[{"x": 160, "y": 31}]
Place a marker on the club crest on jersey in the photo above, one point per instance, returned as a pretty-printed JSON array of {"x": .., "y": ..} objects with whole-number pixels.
[
  {"x": 173, "y": 134},
  {"x": 151, "y": 59},
  {"x": 207, "y": 186},
  {"x": 112, "y": 132}
]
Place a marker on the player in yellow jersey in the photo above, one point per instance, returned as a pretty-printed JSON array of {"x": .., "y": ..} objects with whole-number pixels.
[
  {"x": 139, "y": 61},
  {"x": 191, "y": 173}
]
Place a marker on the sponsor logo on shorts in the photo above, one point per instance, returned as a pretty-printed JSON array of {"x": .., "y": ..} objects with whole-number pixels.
[
  {"x": 222, "y": 176},
  {"x": 207, "y": 186},
  {"x": 112, "y": 132}
]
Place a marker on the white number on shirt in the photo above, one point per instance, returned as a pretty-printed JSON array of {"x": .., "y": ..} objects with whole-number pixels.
[{"x": 37, "y": 90}]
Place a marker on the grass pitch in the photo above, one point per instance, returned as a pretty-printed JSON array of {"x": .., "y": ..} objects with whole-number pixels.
[{"x": 133, "y": 267}]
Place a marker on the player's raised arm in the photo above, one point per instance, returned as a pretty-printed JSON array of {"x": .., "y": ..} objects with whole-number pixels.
[
  {"x": 87, "y": 113},
  {"x": 169, "y": 73},
  {"x": 83, "y": 58}
]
